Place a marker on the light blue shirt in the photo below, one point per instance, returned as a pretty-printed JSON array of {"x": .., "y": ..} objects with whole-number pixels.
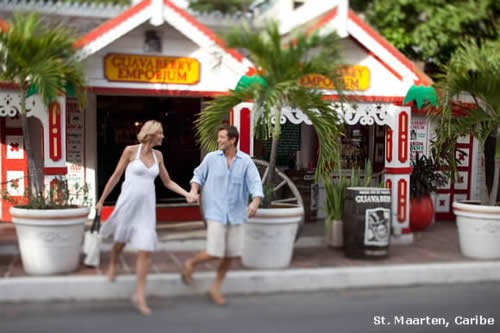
[{"x": 225, "y": 190}]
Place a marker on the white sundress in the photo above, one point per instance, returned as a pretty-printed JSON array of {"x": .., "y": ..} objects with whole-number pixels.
[{"x": 133, "y": 219}]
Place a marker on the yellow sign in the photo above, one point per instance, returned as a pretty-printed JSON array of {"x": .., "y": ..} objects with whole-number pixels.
[
  {"x": 151, "y": 69},
  {"x": 354, "y": 77}
]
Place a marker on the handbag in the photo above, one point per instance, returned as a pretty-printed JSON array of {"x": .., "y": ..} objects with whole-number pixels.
[{"x": 92, "y": 243}]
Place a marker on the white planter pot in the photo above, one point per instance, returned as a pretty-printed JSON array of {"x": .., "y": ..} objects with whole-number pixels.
[
  {"x": 50, "y": 240},
  {"x": 335, "y": 236},
  {"x": 269, "y": 236},
  {"x": 478, "y": 229}
]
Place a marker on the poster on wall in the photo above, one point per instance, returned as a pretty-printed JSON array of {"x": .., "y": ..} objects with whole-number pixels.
[
  {"x": 419, "y": 137},
  {"x": 75, "y": 147}
]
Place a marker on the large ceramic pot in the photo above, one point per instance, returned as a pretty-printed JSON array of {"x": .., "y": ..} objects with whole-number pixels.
[
  {"x": 50, "y": 240},
  {"x": 478, "y": 229},
  {"x": 421, "y": 213},
  {"x": 268, "y": 237}
]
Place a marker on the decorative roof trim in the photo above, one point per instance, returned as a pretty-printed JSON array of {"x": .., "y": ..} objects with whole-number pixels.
[
  {"x": 404, "y": 64},
  {"x": 207, "y": 32},
  {"x": 421, "y": 79},
  {"x": 177, "y": 17},
  {"x": 331, "y": 15},
  {"x": 113, "y": 23},
  {"x": 66, "y": 8}
]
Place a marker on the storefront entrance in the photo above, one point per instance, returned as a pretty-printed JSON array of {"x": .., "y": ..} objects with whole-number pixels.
[{"x": 119, "y": 119}]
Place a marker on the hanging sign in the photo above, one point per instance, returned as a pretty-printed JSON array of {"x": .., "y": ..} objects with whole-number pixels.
[
  {"x": 418, "y": 137},
  {"x": 354, "y": 77},
  {"x": 151, "y": 69},
  {"x": 75, "y": 148}
]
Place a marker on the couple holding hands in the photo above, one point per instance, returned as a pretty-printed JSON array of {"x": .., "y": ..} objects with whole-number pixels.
[{"x": 225, "y": 177}]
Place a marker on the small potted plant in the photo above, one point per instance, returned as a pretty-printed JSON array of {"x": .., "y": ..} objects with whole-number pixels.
[
  {"x": 335, "y": 189},
  {"x": 424, "y": 180}
]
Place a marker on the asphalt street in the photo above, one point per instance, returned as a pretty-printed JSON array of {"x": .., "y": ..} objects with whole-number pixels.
[{"x": 438, "y": 308}]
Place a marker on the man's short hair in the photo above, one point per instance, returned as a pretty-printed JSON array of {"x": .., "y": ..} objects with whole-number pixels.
[{"x": 232, "y": 132}]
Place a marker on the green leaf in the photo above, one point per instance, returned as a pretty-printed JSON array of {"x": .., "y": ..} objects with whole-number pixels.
[
  {"x": 247, "y": 81},
  {"x": 420, "y": 94}
]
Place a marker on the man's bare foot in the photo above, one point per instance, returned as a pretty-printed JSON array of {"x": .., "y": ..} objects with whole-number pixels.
[
  {"x": 111, "y": 273},
  {"x": 140, "y": 304},
  {"x": 187, "y": 273},
  {"x": 216, "y": 297}
]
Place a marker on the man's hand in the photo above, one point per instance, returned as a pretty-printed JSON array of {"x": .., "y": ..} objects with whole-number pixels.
[
  {"x": 252, "y": 208},
  {"x": 193, "y": 197}
]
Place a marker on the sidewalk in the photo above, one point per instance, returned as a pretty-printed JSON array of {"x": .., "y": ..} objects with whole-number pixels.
[{"x": 434, "y": 257}]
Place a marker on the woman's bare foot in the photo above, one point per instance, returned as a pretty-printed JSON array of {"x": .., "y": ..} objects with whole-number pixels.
[
  {"x": 187, "y": 273},
  {"x": 111, "y": 272},
  {"x": 141, "y": 306},
  {"x": 216, "y": 297}
]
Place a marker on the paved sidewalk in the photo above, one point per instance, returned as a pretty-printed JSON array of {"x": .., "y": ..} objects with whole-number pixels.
[{"x": 434, "y": 257}]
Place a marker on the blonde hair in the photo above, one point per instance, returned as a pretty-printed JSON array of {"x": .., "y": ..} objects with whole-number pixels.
[{"x": 150, "y": 128}]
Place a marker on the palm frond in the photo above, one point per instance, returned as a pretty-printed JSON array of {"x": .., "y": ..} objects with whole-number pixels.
[
  {"x": 282, "y": 66},
  {"x": 36, "y": 54}
]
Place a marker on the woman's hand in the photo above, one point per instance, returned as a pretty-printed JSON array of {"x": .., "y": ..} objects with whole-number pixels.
[
  {"x": 193, "y": 197},
  {"x": 98, "y": 208}
]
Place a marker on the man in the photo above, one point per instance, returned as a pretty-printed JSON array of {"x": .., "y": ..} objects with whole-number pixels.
[{"x": 226, "y": 176}]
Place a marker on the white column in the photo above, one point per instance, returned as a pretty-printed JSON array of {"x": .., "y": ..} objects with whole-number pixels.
[{"x": 398, "y": 170}]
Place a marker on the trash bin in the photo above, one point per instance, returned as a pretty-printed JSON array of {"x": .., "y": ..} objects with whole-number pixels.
[{"x": 367, "y": 222}]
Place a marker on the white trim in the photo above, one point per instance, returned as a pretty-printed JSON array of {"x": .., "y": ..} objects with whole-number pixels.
[
  {"x": 115, "y": 33},
  {"x": 307, "y": 12},
  {"x": 371, "y": 44},
  {"x": 202, "y": 40},
  {"x": 69, "y": 8}
]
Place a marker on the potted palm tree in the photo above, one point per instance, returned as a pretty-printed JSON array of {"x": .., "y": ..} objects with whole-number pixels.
[
  {"x": 473, "y": 72},
  {"x": 279, "y": 66},
  {"x": 38, "y": 57}
]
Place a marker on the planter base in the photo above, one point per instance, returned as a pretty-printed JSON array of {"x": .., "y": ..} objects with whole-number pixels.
[
  {"x": 268, "y": 238},
  {"x": 478, "y": 230},
  {"x": 50, "y": 240}
]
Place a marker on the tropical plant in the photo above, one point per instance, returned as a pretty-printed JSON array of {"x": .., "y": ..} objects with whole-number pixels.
[
  {"x": 279, "y": 68},
  {"x": 59, "y": 196},
  {"x": 335, "y": 188},
  {"x": 425, "y": 178},
  {"x": 41, "y": 58},
  {"x": 473, "y": 72}
]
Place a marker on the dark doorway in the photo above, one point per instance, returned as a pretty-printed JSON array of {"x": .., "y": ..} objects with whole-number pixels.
[{"x": 119, "y": 119}]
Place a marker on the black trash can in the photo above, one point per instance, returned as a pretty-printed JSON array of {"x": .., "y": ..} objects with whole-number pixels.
[{"x": 367, "y": 222}]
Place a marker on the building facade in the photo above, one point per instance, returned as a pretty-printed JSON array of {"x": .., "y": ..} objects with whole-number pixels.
[{"x": 156, "y": 60}]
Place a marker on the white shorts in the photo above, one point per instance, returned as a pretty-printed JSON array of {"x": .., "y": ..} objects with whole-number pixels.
[{"x": 224, "y": 240}]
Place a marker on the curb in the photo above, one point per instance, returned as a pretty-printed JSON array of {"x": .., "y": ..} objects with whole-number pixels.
[
  {"x": 174, "y": 245},
  {"x": 60, "y": 288}
]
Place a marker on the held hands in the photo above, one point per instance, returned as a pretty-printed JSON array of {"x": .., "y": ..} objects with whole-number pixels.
[{"x": 193, "y": 197}]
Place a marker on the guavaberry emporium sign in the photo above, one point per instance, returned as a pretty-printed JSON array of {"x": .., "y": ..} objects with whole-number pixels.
[
  {"x": 355, "y": 77},
  {"x": 151, "y": 69}
]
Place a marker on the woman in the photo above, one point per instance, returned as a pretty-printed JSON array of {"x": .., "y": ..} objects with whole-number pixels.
[{"x": 134, "y": 218}]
